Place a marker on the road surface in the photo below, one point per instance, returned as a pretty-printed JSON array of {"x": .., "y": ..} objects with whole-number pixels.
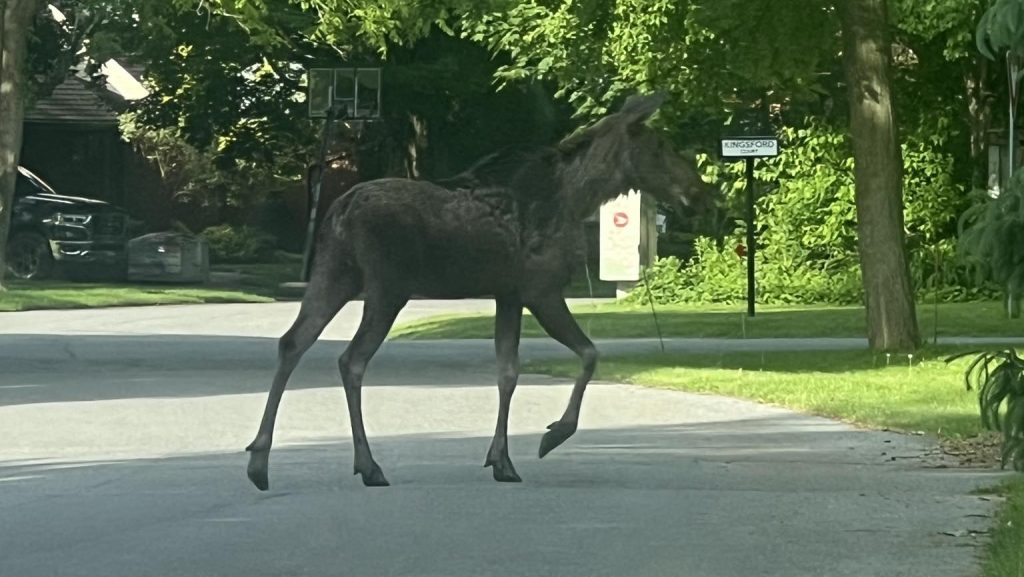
[{"x": 122, "y": 433}]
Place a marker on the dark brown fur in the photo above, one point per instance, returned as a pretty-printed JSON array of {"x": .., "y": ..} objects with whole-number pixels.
[{"x": 508, "y": 228}]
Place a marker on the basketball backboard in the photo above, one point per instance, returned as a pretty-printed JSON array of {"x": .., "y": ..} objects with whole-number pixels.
[{"x": 355, "y": 91}]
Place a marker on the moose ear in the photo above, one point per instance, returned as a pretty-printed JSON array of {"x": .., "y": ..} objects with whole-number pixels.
[
  {"x": 578, "y": 139},
  {"x": 639, "y": 108}
]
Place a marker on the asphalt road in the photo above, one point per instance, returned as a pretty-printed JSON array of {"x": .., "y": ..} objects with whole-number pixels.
[{"x": 122, "y": 433}]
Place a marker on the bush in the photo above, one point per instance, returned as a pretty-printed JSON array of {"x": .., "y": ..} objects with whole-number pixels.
[
  {"x": 229, "y": 244},
  {"x": 807, "y": 229},
  {"x": 720, "y": 276},
  {"x": 993, "y": 237}
]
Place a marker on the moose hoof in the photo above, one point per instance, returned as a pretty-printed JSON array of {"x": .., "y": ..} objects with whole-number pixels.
[
  {"x": 557, "y": 433},
  {"x": 373, "y": 477},
  {"x": 257, "y": 469},
  {"x": 503, "y": 470}
]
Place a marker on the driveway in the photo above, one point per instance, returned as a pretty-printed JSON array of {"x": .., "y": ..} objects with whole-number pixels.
[{"x": 122, "y": 454}]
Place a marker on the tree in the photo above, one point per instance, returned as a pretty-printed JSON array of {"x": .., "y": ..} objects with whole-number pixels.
[
  {"x": 16, "y": 18},
  {"x": 936, "y": 36},
  {"x": 752, "y": 65},
  {"x": 878, "y": 173},
  {"x": 439, "y": 96},
  {"x": 729, "y": 66},
  {"x": 1001, "y": 32}
]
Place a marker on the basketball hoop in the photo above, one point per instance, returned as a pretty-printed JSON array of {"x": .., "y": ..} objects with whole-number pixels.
[
  {"x": 351, "y": 95},
  {"x": 354, "y": 93}
]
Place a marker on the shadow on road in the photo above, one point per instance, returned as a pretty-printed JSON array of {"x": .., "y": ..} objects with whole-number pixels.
[
  {"x": 633, "y": 457},
  {"x": 39, "y": 369}
]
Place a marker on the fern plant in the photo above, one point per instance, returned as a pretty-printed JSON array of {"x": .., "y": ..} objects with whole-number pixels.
[
  {"x": 992, "y": 239},
  {"x": 998, "y": 376}
]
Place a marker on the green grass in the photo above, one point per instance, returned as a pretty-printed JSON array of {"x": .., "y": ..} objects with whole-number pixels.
[
  {"x": 22, "y": 296},
  {"x": 858, "y": 386},
  {"x": 705, "y": 321},
  {"x": 865, "y": 388},
  {"x": 242, "y": 283},
  {"x": 1006, "y": 550}
]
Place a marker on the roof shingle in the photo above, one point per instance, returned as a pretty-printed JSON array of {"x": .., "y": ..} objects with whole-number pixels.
[{"x": 72, "y": 102}]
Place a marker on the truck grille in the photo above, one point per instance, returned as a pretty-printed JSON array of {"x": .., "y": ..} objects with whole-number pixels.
[{"x": 108, "y": 225}]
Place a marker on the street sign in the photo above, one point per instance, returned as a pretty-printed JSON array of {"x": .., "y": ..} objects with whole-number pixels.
[{"x": 750, "y": 147}]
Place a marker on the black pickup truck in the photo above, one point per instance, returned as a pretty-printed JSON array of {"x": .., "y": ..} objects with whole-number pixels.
[{"x": 50, "y": 229}]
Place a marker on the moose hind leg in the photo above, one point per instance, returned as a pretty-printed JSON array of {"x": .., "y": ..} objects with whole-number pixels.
[
  {"x": 556, "y": 320},
  {"x": 321, "y": 303},
  {"x": 378, "y": 316},
  {"x": 508, "y": 320}
]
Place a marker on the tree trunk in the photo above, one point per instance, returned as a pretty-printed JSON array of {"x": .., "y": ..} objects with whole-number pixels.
[
  {"x": 416, "y": 147},
  {"x": 15, "y": 26},
  {"x": 979, "y": 117},
  {"x": 889, "y": 293}
]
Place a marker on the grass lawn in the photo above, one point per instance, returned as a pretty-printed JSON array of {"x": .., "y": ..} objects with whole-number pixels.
[
  {"x": 861, "y": 387},
  {"x": 858, "y": 386},
  {"x": 231, "y": 283},
  {"x": 1006, "y": 551},
  {"x": 615, "y": 320},
  {"x": 22, "y": 296}
]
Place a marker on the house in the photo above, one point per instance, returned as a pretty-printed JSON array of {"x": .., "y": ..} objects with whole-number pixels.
[{"x": 71, "y": 139}]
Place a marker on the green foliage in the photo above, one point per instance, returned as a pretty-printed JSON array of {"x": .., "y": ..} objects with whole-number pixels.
[
  {"x": 230, "y": 244},
  {"x": 807, "y": 219},
  {"x": 998, "y": 377},
  {"x": 1001, "y": 29},
  {"x": 61, "y": 47},
  {"x": 728, "y": 66},
  {"x": 924, "y": 24},
  {"x": 220, "y": 83},
  {"x": 220, "y": 89},
  {"x": 211, "y": 187},
  {"x": 699, "y": 52},
  {"x": 719, "y": 276},
  {"x": 347, "y": 25},
  {"x": 666, "y": 282},
  {"x": 993, "y": 236}
]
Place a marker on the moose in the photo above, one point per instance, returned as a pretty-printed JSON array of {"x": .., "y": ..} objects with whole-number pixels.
[{"x": 510, "y": 228}]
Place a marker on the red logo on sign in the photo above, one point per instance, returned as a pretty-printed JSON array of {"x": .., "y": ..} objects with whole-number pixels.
[{"x": 620, "y": 219}]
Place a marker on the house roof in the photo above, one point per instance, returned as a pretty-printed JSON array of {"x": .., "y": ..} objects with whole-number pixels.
[
  {"x": 75, "y": 102},
  {"x": 72, "y": 102}
]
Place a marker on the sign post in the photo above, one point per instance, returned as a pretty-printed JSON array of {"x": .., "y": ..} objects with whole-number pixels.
[{"x": 749, "y": 149}]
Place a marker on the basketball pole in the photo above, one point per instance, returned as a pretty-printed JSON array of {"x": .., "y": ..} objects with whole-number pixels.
[{"x": 314, "y": 201}]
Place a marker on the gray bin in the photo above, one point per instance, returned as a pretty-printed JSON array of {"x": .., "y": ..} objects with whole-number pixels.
[{"x": 169, "y": 257}]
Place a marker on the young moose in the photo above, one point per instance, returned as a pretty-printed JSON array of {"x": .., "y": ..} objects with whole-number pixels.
[{"x": 510, "y": 227}]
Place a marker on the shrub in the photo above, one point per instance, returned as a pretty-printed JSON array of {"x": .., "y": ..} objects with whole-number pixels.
[
  {"x": 807, "y": 229},
  {"x": 993, "y": 237},
  {"x": 229, "y": 244}
]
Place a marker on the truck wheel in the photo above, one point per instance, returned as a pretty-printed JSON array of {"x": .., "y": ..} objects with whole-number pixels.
[{"x": 29, "y": 257}]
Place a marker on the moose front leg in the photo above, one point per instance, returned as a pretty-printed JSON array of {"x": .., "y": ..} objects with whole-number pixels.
[
  {"x": 379, "y": 313},
  {"x": 556, "y": 320},
  {"x": 507, "y": 324},
  {"x": 321, "y": 303}
]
